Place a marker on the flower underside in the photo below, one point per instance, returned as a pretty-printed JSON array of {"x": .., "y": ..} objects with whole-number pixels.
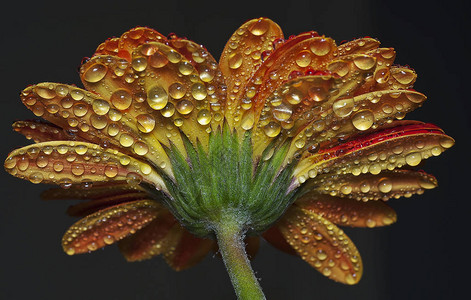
[{"x": 284, "y": 138}]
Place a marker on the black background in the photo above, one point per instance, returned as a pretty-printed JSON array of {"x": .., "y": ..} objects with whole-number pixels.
[{"x": 425, "y": 255}]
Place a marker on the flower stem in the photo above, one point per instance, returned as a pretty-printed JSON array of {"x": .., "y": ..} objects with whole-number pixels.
[{"x": 230, "y": 237}]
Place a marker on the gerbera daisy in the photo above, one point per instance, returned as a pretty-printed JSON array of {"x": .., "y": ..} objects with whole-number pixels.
[{"x": 179, "y": 155}]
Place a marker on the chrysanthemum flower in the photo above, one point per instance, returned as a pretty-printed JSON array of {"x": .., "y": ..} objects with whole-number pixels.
[{"x": 283, "y": 138}]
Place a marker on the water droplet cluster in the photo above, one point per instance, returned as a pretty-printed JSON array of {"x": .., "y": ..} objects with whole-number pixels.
[
  {"x": 108, "y": 226},
  {"x": 323, "y": 245}
]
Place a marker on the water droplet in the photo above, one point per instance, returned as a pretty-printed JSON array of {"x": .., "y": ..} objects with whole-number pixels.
[
  {"x": 382, "y": 75},
  {"x": 321, "y": 255},
  {"x": 140, "y": 148},
  {"x": 126, "y": 140},
  {"x": 343, "y": 107},
  {"x": 157, "y": 98},
  {"x": 77, "y": 169},
  {"x": 100, "y": 107},
  {"x": 168, "y": 110},
  {"x": 186, "y": 68},
  {"x": 294, "y": 96},
  {"x": 58, "y": 166},
  {"x": 121, "y": 99},
  {"x": 184, "y": 107},
  {"x": 260, "y": 27},
  {"x": 272, "y": 129},
  {"x": 363, "y": 120},
  {"x": 364, "y": 62},
  {"x": 235, "y": 60},
  {"x": 139, "y": 64},
  {"x": 41, "y": 161},
  {"x": 204, "y": 117},
  {"x": 45, "y": 92},
  {"x": 303, "y": 59},
  {"x": 98, "y": 122},
  {"x": 317, "y": 94},
  {"x": 36, "y": 177},
  {"x": 111, "y": 171},
  {"x": 370, "y": 223},
  {"x": 158, "y": 60},
  {"x": 95, "y": 73},
  {"x": 320, "y": 46},
  {"x": 446, "y": 142},
  {"x": 385, "y": 185},
  {"x": 413, "y": 159},
  {"x": 198, "y": 91},
  {"x": 77, "y": 94},
  {"x": 145, "y": 123},
  {"x": 176, "y": 90},
  {"x": 346, "y": 189},
  {"x": 404, "y": 76},
  {"x": 282, "y": 112},
  {"x": 108, "y": 239},
  {"x": 174, "y": 57},
  {"x": 80, "y": 109}
]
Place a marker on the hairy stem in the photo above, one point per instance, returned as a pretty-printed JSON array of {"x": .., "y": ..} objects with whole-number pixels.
[{"x": 230, "y": 238}]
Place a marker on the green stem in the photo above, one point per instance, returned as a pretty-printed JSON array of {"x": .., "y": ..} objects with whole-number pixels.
[{"x": 230, "y": 237}]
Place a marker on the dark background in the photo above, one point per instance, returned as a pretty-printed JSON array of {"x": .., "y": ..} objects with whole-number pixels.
[{"x": 423, "y": 256}]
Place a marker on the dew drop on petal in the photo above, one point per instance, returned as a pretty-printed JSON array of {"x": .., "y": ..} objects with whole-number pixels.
[
  {"x": 363, "y": 120},
  {"x": 157, "y": 98},
  {"x": 95, "y": 73}
]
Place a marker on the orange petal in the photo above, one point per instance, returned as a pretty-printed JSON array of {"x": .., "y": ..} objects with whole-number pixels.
[
  {"x": 361, "y": 45},
  {"x": 163, "y": 91},
  {"x": 276, "y": 239},
  {"x": 187, "y": 251},
  {"x": 322, "y": 244},
  {"x": 209, "y": 73},
  {"x": 383, "y": 149},
  {"x": 93, "y": 190},
  {"x": 93, "y": 118},
  {"x": 151, "y": 240},
  {"x": 43, "y": 132},
  {"x": 366, "y": 187},
  {"x": 68, "y": 162},
  {"x": 107, "y": 226},
  {"x": 348, "y": 212},
  {"x": 130, "y": 40},
  {"x": 241, "y": 57}
]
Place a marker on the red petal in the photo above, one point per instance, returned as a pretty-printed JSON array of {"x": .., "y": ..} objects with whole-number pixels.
[{"x": 348, "y": 212}]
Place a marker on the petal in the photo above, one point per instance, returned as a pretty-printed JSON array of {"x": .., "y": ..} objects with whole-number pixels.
[
  {"x": 68, "y": 162},
  {"x": 152, "y": 240},
  {"x": 361, "y": 45},
  {"x": 92, "y": 118},
  {"x": 209, "y": 73},
  {"x": 399, "y": 144},
  {"x": 130, "y": 40},
  {"x": 163, "y": 91},
  {"x": 366, "y": 187},
  {"x": 322, "y": 244},
  {"x": 242, "y": 55},
  {"x": 348, "y": 212},
  {"x": 108, "y": 226},
  {"x": 277, "y": 240},
  {"x": 42, "y": 132},
  {"x": 95, "y": 190},
  {"x": 187, "y": 251}
]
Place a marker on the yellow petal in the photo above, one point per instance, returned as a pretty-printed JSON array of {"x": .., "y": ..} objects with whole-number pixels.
[{"x": 68, "y": 162}]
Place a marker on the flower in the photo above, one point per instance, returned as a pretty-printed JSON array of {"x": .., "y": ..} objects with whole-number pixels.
[{"x": 284, "y": 138}]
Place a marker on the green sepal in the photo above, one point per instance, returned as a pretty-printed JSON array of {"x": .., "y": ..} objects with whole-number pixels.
[{"x": 226, "y": 180}]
